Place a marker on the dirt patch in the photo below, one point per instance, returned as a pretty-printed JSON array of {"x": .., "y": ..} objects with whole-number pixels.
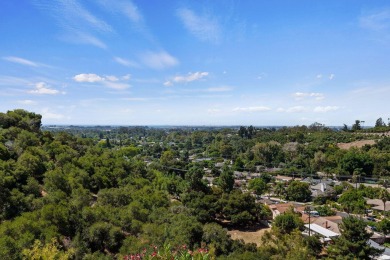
[
  {"x": 249, "y": 236},
  {"x": 357, "y": 144}
]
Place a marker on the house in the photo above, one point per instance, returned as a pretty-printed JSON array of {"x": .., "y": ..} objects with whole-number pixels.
[
  {"x": 386, "y": 252},
  {"x": 326, "y": 235},
  {"x": 278, "y": 209},
  {"x": 378, "y": 204}
]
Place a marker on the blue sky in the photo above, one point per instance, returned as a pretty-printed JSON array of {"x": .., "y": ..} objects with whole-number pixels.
[{"x": 196, "y": 62}]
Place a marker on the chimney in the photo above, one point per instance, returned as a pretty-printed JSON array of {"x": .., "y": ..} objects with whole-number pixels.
[{"x": 326, "y": 224}]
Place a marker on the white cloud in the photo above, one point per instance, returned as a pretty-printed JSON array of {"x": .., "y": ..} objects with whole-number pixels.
[
  {"x": 91, "y": 78},
  {"x": 108, "y": 81},
  {"x": 46, "y": 114},
  {"x": 27, "y": 102},
  {"x": 116, "y": 85},
  {"x": 158, "y": 60},
  {"x": 126, "y": 77},
  {"x": 168, "y": 83},
  {"x": 41, "y": 88},
  {"x": 296, "y": 109},
  {"x": 302, "y": 95},
  {"x": 319, "y": 76},
  {"x": 185, "y": 79},
  {"x": 320, "y": 109},
  {"x": 190, "y": 77},
  {"x": 251, "y": 109},
  {"x": 112, "y": 78},
  {"x": 21, "y": 61},
  {"x": 331, "y": 76},
  {"x": 125, "y": 62},
  {"x": 205, "y": 28},
  {"x": 213, "y": 111}
]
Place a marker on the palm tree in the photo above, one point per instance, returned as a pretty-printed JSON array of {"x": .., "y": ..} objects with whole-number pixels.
[{"x": 384, "y": 195}]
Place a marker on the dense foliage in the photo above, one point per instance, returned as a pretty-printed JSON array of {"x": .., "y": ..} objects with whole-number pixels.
[{"x": 109, "y": 192}]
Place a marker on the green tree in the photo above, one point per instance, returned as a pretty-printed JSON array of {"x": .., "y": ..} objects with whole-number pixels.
[
  {"x": 279, "y": 189},
  {"x": 258, "y": 186},
  {"x": 356, "y": 126},
  {"x": 384, "y": 196},
  {"x": 384, "y": 226},
  {"x": 379, "y": 122},
  {"x": 298, "y": 191},
  {"x": 287, "y": 222},
  {"x": 226, "y": 179},
  {"x": 217, "y": 239},
  {"x": 353, "y": 201},
  {"x": 352, "y": 243}
]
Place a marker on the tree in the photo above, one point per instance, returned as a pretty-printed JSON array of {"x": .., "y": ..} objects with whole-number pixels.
[
  {"x": 291, "y": 246},
  {"x": 287, "y": 222},
  {"x": 384, "y": 196},
  {"x": 352, "y": 243},
  {"x": 353, "y": 201},
  {"x": 217, "y": 238},
  {"x": 356, "y": 126},
  {"x": 379, "y": 122},
  {"x": 48, "y": 251},
  {"x": 298, "y": 191},
  {"x": 384, "y": 227},
  {"x": 258, "y": 186},
  {"x": 194, "y": 177},
  {"x": 226, "y": 179},
  {"x": 279, "y": 189}
]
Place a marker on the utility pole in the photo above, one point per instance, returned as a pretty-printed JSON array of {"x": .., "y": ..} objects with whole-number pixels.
[{"x": 308, "y": 211}]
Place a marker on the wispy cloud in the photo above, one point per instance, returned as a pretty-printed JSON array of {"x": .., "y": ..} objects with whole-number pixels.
[
  {"x": 41, "y": 88},
  {"x": 252, "y": 109},
  {"x": 77, "y": 23},
  {"x": 203, "y": 27},
  {"x": 48, "y": 114},
  {"x": 325, "y": 109},
  {"x": 331, "y": 76},
  {"x": 84, "y": 38},
  {"x": 127, "y": 8},
  {"x": 21, "y": 61},
  {"x": 158, "y": 60},
  {"x": 136, "y": 99},
  {"x": 185, "y": 79},
  {"x": 302, "y": 95},
  {"x": 109, "y": 81},
  {"x": 220, "y": 89},
  {"x": 125, "y": 62},
  {"x": 294, "y": 109},
  {"x": 27, "y": 102},
  {"x": 377, "y": 21},
  {"x": 214, "y": 110}
]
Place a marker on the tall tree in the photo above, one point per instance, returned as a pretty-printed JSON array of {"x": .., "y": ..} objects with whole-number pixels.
[
  {"x": 258, "y": 186},
  {"x": 352, "y": 243},
  {"x": 384, "y": 196},
  {"x": 379, "y": 122},
  {"x": 356, "y": 126},
  {"x": 298, "y": 191},
  {"x": 226, "y": 179}
]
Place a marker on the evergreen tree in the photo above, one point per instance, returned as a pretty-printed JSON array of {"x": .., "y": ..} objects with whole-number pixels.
[{"x": 352, "y": 243}]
